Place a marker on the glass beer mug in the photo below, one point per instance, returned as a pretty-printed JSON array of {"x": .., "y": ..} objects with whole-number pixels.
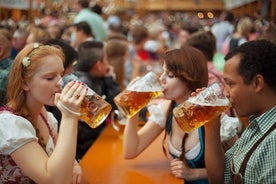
[
  {"x": 199, "y": 109},
  {"x": 118, "y": 121},
  {"x": 138, "y": 94},
  {"x": 94, "y": 109}
]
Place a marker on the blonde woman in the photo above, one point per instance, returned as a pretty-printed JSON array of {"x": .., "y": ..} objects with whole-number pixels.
[{"x": 30, "y": 151}]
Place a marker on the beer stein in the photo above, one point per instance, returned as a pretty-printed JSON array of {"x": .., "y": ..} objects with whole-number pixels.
[
  {"x": 138, "y": 94},
  {"x": 118, "y": 121},
  {"x": 199, "y": 109},
  {"x": 94, "y": 109}
]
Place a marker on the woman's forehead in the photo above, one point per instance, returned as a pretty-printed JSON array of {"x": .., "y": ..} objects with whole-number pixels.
[{"x": 51, "y": 62}]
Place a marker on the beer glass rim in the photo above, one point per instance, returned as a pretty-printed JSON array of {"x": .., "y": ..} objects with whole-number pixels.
[{"x": 147, "y": 83}]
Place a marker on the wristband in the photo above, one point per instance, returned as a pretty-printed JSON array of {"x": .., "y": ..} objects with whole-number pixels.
[{"x": 228, "y": 127}]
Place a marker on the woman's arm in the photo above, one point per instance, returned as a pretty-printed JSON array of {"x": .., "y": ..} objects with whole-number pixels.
[
  {"x": 137, "y": 140},
  {"x": 58, "y": 167}
]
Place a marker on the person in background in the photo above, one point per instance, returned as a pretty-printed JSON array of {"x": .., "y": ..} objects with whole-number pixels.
[
  {"x": 251, "y": 89},
  {"x": 139, "y": 36},
  {"x": 5, "y": 66},
  {"x": 183, "y": 35},
  {"x": 128, "y": 62},
  {"x": 94, "y": 20},
  {"x": 49, "y": 16},
  {"x": 38, "y": 35},
  {"x": 223, "y": 29},
  {"x": 156, "y": 42},
  {"x": 241, "y": 35},
  {"x": 184, "y": 70},
  {"x": 55, "y": 30},
  {"x": 114, "y": 25},
  {"x": 31, "y": 151},
  {"x": 117, "y": 52},
  {"x": 205, "y": 41},
  {"x": 93, "y": 69},
  {"x": 269, "y": 34},
  {"x": 5, "y": 32},
  {"x": 139, "y": 58},
  {"x": 68, "y": 34},
  {"x": 96, "y": 8},
  {"x": 82, "y": 33},
  {"x": 19, "y": 40}
]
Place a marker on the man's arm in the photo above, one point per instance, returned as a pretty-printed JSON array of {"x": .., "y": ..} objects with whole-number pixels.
[{"x": 214, "y": 154}]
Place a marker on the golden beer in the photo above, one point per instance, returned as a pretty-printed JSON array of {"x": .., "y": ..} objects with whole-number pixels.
[
  {"x": 94, "y": 110},
  {"x": 130, "y": 102},
  {"x": 138, "y": 94},
  {"x": 191, "y": 115}
]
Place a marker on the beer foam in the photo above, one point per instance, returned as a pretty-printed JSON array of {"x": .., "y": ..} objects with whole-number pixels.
[
  {"x": 148, "y": 83},
  {"x": 217, "y": 102}
]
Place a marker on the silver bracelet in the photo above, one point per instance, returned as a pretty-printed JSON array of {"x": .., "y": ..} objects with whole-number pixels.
[{"x": 67, "y": 109}]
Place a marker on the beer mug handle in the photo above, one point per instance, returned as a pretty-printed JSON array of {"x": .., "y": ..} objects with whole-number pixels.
[{"x": 116, "y": 115}]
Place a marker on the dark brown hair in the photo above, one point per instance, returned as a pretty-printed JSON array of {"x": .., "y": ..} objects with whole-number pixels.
[
  {"x": 205, "y": 41},
  {"x": 190, "y": 66}
]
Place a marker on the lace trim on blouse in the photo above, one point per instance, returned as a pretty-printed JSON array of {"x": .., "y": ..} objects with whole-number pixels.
[{"x": 190, "y": 155}]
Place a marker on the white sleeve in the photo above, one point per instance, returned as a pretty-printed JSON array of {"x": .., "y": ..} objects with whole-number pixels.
[
  {"x": 15, "y": 131},
  {"x": 228, "y": 127},
  {"x": 157, "y": 115}
]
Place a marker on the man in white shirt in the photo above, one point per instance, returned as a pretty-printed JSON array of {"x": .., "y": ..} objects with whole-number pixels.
[{"x": 223, "y": 29}]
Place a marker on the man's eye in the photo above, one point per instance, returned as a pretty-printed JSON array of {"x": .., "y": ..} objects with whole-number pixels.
[{"x": 230, "y": 84}]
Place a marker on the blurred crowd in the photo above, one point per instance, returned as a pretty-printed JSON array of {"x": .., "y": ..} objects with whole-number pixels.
[
  {"x": 131, "y": 44},
  {"x": 108, "y": 51}
]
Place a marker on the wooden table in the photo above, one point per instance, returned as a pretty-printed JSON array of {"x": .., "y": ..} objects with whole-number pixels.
[{"x": 104, "y": 163}]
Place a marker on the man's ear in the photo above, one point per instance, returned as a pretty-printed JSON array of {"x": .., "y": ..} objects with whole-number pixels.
[
  {"x": 258, "y": 82},
  {"x": 98, "y": 65}
]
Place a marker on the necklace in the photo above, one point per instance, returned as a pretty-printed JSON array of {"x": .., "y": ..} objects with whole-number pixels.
[{"x": 47, "y": 124}]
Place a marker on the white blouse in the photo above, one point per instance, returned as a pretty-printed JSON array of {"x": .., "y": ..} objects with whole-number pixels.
[
  {"x": 16, "y": 131},
  {"x": 190, "y": 155}
]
